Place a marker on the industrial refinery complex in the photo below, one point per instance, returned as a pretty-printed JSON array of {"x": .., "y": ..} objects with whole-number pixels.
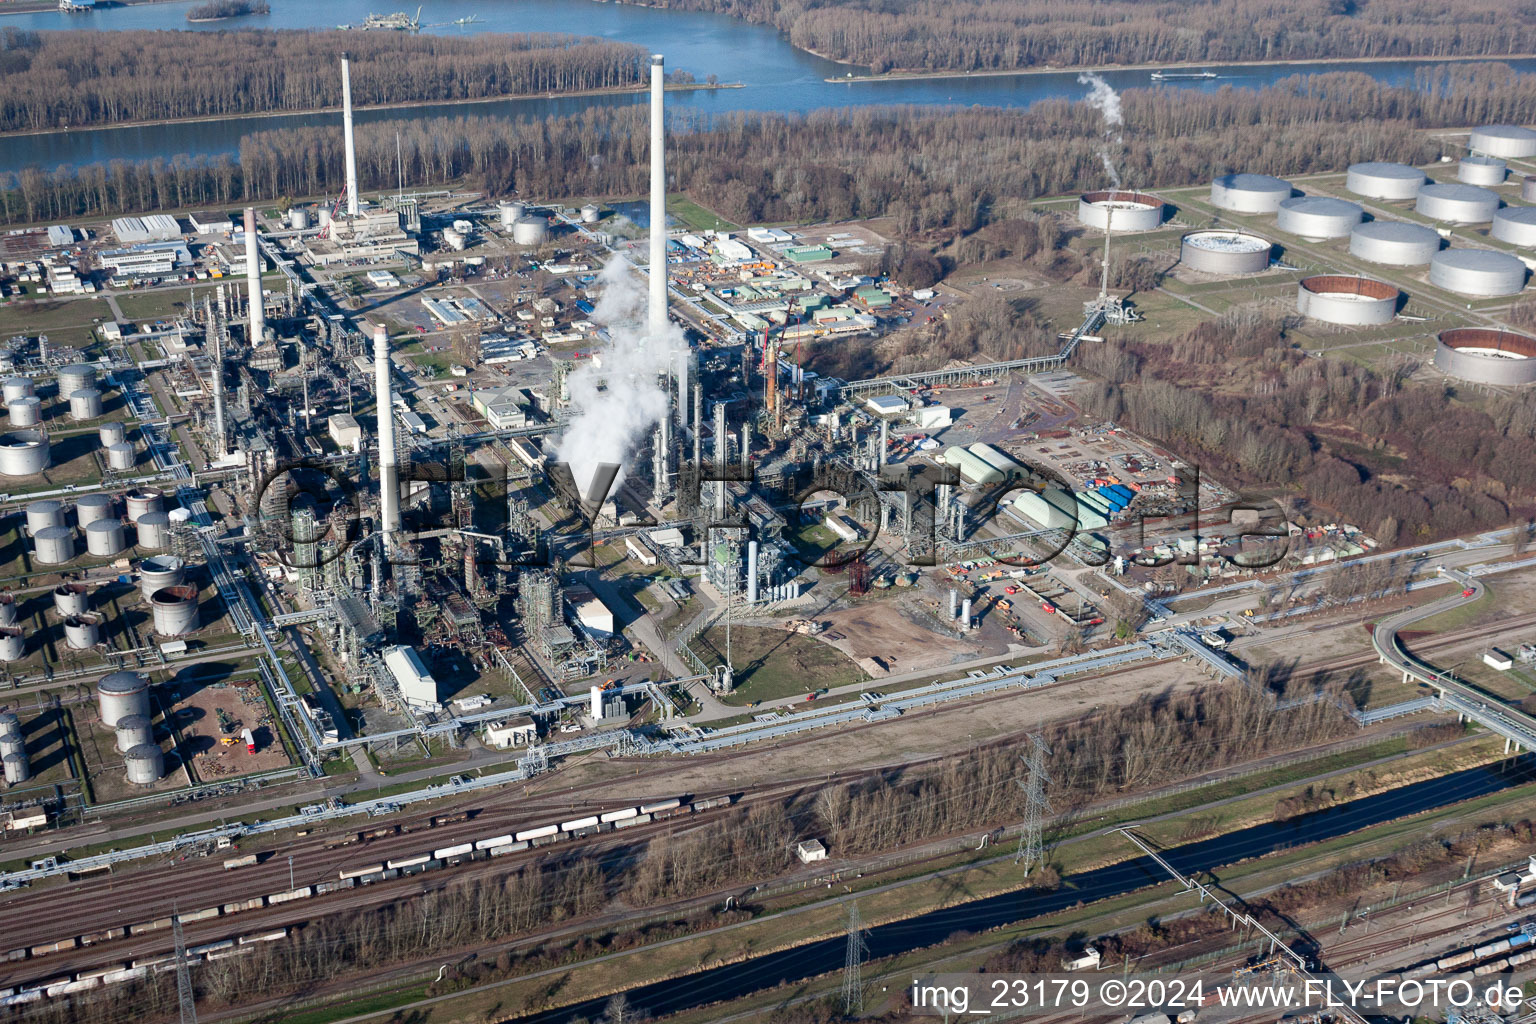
[{"x": 363, "y": 549}]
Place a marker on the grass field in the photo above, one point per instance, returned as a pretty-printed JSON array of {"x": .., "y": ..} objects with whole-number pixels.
[
  {"x": 772, "y": 663},
  {"x": 696, "y": 217}
]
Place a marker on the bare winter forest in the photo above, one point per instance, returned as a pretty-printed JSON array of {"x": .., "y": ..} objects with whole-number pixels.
[{"x": 971, "y": 35}]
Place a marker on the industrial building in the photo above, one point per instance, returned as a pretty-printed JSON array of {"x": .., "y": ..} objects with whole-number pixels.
[
  {"x": 417, "y": 687},
  {"x": 503, "y": 408}
]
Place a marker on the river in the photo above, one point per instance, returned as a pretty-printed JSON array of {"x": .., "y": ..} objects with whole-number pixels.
[
  {"x": 791, "y": 965},
  {"x": 775, "y": 75}
]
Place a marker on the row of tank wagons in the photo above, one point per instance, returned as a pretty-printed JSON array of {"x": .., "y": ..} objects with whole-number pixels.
[
  {"x": 98, "y": 518},
  {"x": 117, "y": 974},
  {"x": 530, "y": 838},
  {"x": 1519, "y": 947},
  {"x": 24, "y": 449}
]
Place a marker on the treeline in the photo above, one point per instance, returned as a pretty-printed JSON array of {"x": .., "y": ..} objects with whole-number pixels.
[
  {"x": 53, "y": 79},
  {"x": 227, "y": 9},
  {"x": 975, "y": 35},
  {"x": 1408, "y": 462}
]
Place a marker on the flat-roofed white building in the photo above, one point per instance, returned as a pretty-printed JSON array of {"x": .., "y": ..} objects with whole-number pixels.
[
  {"x": 346, "y": 431},
  {"x": 417, "y": 687},
  {"x": 514, "y": 732}
]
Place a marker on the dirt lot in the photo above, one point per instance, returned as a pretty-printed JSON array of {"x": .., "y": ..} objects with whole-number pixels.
[
  {"x": 772, "y": 663},
  {"x": 197, "y": 719},
  {"x": 885, "y": 628}
]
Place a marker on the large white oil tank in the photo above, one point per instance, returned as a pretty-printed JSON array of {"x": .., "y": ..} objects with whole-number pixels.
[
  {"x": 112, "y": 433},
  {"x": 74, "y": 377},
  {"x": 13, "y": 643},
  {"x": 121, "y": 456},
  {"x": 1351, "y": 301},
  {"x": 453, "y": 239},
  {"x": 298, "y": 219},
  {"x": 71, "y": 599},
  {"x": 11, "y": 740},
  {"x": 82, "y": 632},
  {"x": 1510, "y": 141},
  {"x": 1515, "y": 225},
  {"x": 1482, "y": 170},
  {"x": 1318, "y": 216},
  {"x": 25, "y": 412},
  {"x": 1383, "y": 180},
  {"x": 54, "y": 545},
  {"x": 85, "y": 404},
  {"x": 17, "y": 387},
  {"x": 7, "y": 618},
  {"x": 105, "y": 538},
  {"x": 160, "y": 572},
  {"x": 1250, "y": 193},
  {"x": 1120, "y": 210},
  {"x": 121, "y": 694},
  {"x": 145, "y": 764},
  {"x": 154, "y": 530},
  {"x": 175, "y": 610},
  {"x": 1480, "y": 273},
  {"x": 1225, "y": 252},
  {"x": 1457, "y": 204},
  {"x": 17, "y": 769},
  {"x": 91, "y": 507},
  {"x": 133, "y": 731},
  {"x": 509, "y": 213},
  {"x": 1395, "y": 243},
  {"x": 23, "y": 453},
  {"x": 43, "y": 513},
  {"x": 590, "y": 214},
  {"x": 143, "y": 501},
  {"x": 530, "y": 231}
]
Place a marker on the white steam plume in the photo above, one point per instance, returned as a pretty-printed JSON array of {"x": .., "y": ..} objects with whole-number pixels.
[
  {"x": 1107, "y": 102},
  {"x": 615, "y": 406}
]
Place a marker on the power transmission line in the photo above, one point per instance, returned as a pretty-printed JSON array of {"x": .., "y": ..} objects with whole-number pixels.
[
  {"x": 1031, "y": 851},
  {"x": 183, "y": 972},
  {"x": 853, "y": 986}
]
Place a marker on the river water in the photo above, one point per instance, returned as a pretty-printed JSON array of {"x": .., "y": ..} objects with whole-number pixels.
[
  {"x": 791, "y": 965},
  {"x": 775, "y": 75}
]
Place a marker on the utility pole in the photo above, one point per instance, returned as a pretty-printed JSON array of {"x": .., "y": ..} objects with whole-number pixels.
[
  {"x": 183, "y": 972},
  {"x": 1031, "y": 850},
  {"x": 853, "y": 986}
]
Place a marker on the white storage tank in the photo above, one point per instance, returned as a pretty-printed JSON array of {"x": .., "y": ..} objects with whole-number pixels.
[
  {"x": 17, "y": 770},
  {"x": 530, "y": 231},
  {"x": 10, "y": 722},
  {"x": 71, "y": 599},
  {"x": 85, "y": 404},
  {"x": 121, "y": 456},
  {"x": 17, "y": 387},
  {"x": 1510, "y": 141},
  {"x": 1120, "y": 211},
  {"x": 141, "y": 502},
  {"x": 145, "y": 764},
  {"x": 91, "y": 507},
  {"x": 1250, "y": 193},
  {"x": 1318, "y": 216},
  {"x": 25, "y": 412},
  {"x": 13, "y": 643},
  {"x": 1457, "y": 204},
  {"x": 298, "y": 219},
  {"x": 1225, "y": 252},
  {"x": 1487, "y": 356},
  {"x": 1528, "y": 189},
  {"x": 160, "y": 572},
  {"x": 43, "y": 513},
  {"x": 1482, "y": 170},
  {"x": 1481, "y": 273},
  {"x": 175, "y": 610},
  {"x": 23, "y": 453},
  {"x": 12, "y": 741},
  {"x": 54, "y": 545},
  {"x": 7, "y": 618},
  {"x": 1515, "y": 225},
  {"x": 508, "y": 213},
  {"x": 112, "y": 433},
  {"x": 82, "y": 632},
  {"x": 105, "y": 538},
  {"x": 590, "y": 214},
  {"x": 1350, "y": 301},
  {"x": 1384, "y": 180},
  {"x": 74, "y": 377},
  {"x": 1394, "y": 243},
  {"x": 453, "y": 239},
  {"x": 121, "y": 694},
  {"x": 133, "y": 731},
  {"x": 154, "y": 530}
]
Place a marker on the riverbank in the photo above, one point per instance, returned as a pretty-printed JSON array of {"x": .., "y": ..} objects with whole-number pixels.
[
  {"x": 922, "y": 76},
  {"x": 314, "y": 111},
  {"x": 44, "y": 6}
]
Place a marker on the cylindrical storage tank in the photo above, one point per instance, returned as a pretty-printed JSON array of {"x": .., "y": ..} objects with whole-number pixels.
[
  {"x": 7, "y": 618},
  {"x": 530, "y": 231},
  {"x": 1481, "y": 273},
  {"x": 298, "y": 220},
  {"x": 17, "y": 387},
  {"x": 145, "y": 764},
  {"x": 1505, "y": 140},
  {"x": 10, "y": 722},
  {"x": 1486, "y": 356},
  {"x": 160, "y": 572},
  {"x": 72, "y": 599},
  {"x": 82, "y": 632},
  {"x": 142, "y": 502},
  {"x": 1225, "y": 252},
  {"x": 23, "y": 453},
  {"x": 44, "y": 513},
  {"x": 1528, "y": 189},
  {"x": 1394, "y": 243},
  {"x": 74, "y": 377},
  {"x": 134, "y": 731},
  {"x": 1352, "y": 301},
  {"x": 322, "y": 216},
  {"x": 1383, "y": 180},
  {"x": 508, "y": 213},
  {"x": 453, "y": 239},
  {"x": 1482, "y": 170},
  {"x": 105, "y": 537},
  {"x": 590, "y": 214},
  {"x": 85, "y": 404},
  {"x": 1250, "y": 193},
  {"x": 13, "y": 643},
  {"x": 1457, "y": 204},
  {"x": 121, "y": 456},
  {"x": 1515, "y": 225},
  {"x": 121, "y": 694},
  {"x": 154, "y": 530},
  {"x": 91, "y": 507},
  {"x": 1120, "y": 211},
  {"x": 12, "y": 743},
  {"x": 112, "y": 433},
  {"x": 17, "y": 770},
  {"x": 54, "y": 545},
  {"x": 25, "y": 412},
  {"x": 1318, "y": 216},
  {"x": 175, "y": 610}
]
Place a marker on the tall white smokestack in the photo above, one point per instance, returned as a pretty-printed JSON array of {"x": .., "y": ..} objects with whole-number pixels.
[
  {"x": 658, "y": 299},
  {"x": 752, "y": 572},
  {"x": 258, "y": 323},
  {"x": 346, "y": 125},
  {"x": 216, "y": 338},
  {"x": 389, "y": 487}
]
